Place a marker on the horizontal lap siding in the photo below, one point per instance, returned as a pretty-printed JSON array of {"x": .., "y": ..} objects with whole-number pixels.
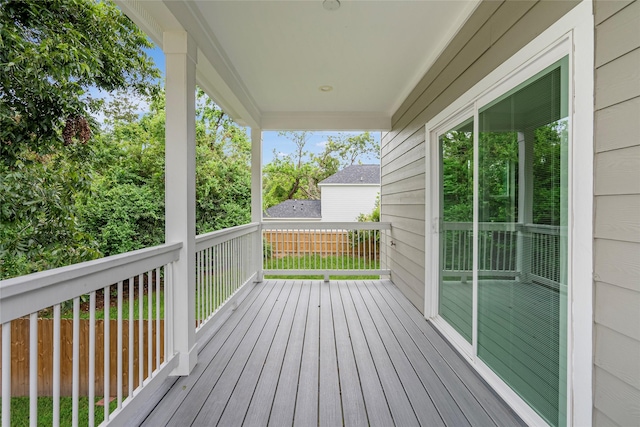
[
  {"x": 617, "y": 214},
  {"x": 495, "y": 31}
]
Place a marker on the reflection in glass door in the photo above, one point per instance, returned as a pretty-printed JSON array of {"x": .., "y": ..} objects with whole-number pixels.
[
  {"x": 517, "y": 321},
  {"x": 522, "y": 249},
  {"x": 456, "y": 223}
]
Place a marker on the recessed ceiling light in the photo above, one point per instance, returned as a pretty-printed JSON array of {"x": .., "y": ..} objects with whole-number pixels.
[
  {"x": 331, "y": 4},
  {"x": 326, "y": 88}
]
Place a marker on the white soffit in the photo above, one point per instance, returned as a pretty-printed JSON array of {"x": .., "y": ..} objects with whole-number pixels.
[{"x": 274, "y": 56}]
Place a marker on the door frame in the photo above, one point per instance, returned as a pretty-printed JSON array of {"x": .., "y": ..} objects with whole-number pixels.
[{"x": 572, "y": 35}]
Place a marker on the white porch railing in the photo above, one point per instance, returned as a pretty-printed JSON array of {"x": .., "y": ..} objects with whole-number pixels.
[
  {"x": 326, "y": 248},
  {"x": 108, "y": 324},
  {"x": 65, "y": 319},
  {"x": 545, "y": 253},
  {"x": 225, "y": 261},
  {"x": 499, "y": 245}
]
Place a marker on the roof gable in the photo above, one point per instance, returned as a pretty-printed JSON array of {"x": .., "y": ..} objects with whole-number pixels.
[
  {"x": 295, "y": 209},
  {"x": 355, "y": 174}
]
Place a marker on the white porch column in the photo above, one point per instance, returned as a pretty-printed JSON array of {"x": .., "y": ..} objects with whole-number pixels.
[
  {"x": 525, "y": 203},
  {"x": 256, "y": 194},
  {"x": 180, "y": 188}
]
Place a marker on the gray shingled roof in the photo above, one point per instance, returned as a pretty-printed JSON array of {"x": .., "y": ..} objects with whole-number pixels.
[
  {"x": 355, "y": 174},
  {"x": 295, "y": 209}
]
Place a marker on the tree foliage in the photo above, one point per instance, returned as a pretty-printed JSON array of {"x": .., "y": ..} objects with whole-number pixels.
[
  {"x": 498, "y": 175},
  {"x": 51, "y": 53},
  {"x": 457, "y": 175},
  {"x": 290, "y": 176},
  {"x": 39, "y": 220},
  {"x": 64, "y": 201},
  {"x": 223, "y": 169},
  {"x": 128, "y": 201},
  {"x": 367, "y": 236}
]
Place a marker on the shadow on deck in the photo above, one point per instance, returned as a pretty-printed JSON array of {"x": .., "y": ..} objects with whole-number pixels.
[{"x": 339, "y": 353}]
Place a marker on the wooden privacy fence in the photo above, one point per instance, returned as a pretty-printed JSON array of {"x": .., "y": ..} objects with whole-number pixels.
[
  {"x": 20, "y": 355},
  {"x": 319, "y": 242}
]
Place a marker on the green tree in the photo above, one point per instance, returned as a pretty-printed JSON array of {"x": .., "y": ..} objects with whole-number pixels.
[
  {"x": 51, "y": 53},
  {"x": 127, "y": 202},
  {"x": 547, "y": 172},
  {"x": 223, "y": 169},
  {"x": 369, "y": 236},
  {"x": 290, "y": 176},
  {"x": 457, "y": 175},
  {"x": 499, "y": 174},
  {"x": 125, "y": 210},
  {"x": 39, "y": 222},
  {"x": 349, "y": 149},
  {"x": 296, "y": 175}
]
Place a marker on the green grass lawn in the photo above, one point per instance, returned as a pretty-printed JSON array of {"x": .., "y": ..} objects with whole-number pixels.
[
  {"x": 20, "y": 411},
  {"x": 67, "y": 310},
  {"x": 331, "y": 262}
]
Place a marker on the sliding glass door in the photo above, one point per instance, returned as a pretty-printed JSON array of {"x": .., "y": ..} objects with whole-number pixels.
[
  {"x": 456, "y": 220},
  {"x": 506, "y": 242}
]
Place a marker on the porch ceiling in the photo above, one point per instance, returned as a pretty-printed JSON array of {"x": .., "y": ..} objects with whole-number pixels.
[{"x": 265, "y": 61}]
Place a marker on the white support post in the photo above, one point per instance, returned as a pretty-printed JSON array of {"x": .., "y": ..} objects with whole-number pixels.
[
  {"x": 256, "y": 196},
  {"x": 180, "y": 189},
  {"x": 525, "y": 203}
]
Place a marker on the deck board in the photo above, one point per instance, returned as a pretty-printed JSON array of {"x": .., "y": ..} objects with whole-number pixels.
[
  {"x": 243, "y": 316},
  {"x": 329, "y": 399},
  {"x": 306, "y": 412},
  {"x": 436, "y": 365},
  {"x": 351, "y": 353},
  {"x": 397, "y": 395},
  {"x": 238, "y": 342},
  {"x": 419, "y": 398},
  {"x": 259, "y": 408},
  {"x": 262, "y": 361},
  {"x": 440, "y": 396},
  {"x": 499, "y": 412},
  {"x": 282, "y": 411},
  {"x": 378, "y": 411},
  {"x": 353, "y": 408},
  {"x": 244, "y": 362}
]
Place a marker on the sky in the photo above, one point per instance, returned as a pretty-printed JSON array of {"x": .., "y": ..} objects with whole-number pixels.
[
  {"x": 316, "y": 143},
  {"x": 270, "y": 139}
]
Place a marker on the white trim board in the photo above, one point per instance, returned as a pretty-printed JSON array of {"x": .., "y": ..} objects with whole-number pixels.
[{"x": 571, "y": 35}]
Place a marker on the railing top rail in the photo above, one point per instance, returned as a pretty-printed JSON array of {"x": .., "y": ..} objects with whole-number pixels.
[
  {"x": 543, "y": 229},
  {"x": 26, "y": 294},
  {"x": 302, "y": 225},
  {"x": 500, "y": 226},
  {"x": 213, "y": 238}
]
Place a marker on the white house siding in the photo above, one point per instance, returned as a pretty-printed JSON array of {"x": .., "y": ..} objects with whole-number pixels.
[
  {"x": 346, "y": 202},
  {"x": 494, "y": 32},
  {"x": 617, "y": 214}
]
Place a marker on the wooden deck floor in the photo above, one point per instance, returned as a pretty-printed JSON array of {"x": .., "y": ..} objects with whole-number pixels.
[{"x": 309, "y": 353}]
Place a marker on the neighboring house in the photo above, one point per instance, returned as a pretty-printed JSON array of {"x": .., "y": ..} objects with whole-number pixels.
[
  {"x": 343, "y": 196},
  {"x": 349, "y": 193},
  {"x": 544, "y": 305},
  {"x": 294, "y": 210}
]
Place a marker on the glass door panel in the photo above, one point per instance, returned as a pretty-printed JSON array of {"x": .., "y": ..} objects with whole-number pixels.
[
  {"x": 522, "y": 250},
  {"x": 456, "y": 224}
]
